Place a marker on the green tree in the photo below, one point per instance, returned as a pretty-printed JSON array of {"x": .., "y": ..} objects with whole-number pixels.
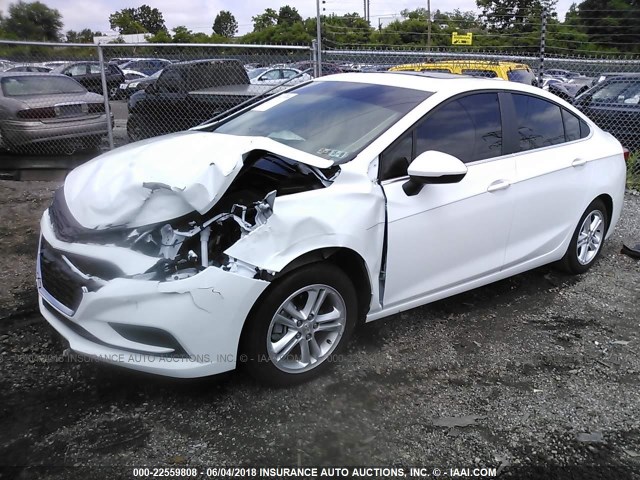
[
  {"x": 225, "y": 24},
  {"x": 161, "y": 37},
  {"x": 32, "y": 21},
  {"x": 288, "y": 16},
  {"x": 350, "y": 28},
  {"x": 137, "y": 20},
  {"x": 513, "y": 16},
  {"x": 610, "y": 23},
  {"x": 83, "y": 36},
  {"x": 265, "y": 20},
  {"x": 182, "y": 34}
]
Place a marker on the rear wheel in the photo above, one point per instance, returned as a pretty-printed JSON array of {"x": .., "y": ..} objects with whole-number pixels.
[
  {"x": 587, "y": 240},
  {"x": 300, "y": 326}
]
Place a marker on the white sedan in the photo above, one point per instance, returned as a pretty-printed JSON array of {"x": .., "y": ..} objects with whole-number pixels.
[
  {"x": 348, "y": 199},
  {"x": 276, "y": 76}
]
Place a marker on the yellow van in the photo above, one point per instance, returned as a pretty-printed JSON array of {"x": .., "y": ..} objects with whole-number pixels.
[{"x": 516, "y": 72}]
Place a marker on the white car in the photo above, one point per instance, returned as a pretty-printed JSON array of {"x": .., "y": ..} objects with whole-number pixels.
[
  {"x": 276, "y": 76},
  {"x": 263, "y": 239}
]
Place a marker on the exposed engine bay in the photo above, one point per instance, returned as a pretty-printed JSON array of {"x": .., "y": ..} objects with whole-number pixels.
[{"x": 188, "y": 244}]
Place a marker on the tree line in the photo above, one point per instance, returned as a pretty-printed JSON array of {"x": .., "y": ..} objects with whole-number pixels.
[{"x": 589, "y": 26}]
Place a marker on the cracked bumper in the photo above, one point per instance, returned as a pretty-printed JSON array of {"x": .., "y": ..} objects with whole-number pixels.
[{"x": 204, "y": 314}]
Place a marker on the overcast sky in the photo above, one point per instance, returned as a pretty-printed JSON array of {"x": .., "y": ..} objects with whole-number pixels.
[{"x": 198, "y": 15}]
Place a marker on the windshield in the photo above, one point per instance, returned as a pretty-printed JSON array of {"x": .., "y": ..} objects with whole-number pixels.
[
  {"x": 333, "y": 120},
  {"x": 39, "y": 85},
  {"x": 619, "y": 91}
]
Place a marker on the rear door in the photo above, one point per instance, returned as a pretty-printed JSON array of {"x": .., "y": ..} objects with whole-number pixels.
[{"x": 552, "y": 170}]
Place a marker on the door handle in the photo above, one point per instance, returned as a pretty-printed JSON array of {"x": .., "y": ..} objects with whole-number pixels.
[
  {"x": 498, "y": 185},
  {"x": 578, "y": 162}
]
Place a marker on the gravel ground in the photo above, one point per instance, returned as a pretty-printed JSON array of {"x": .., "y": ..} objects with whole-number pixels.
[{"x": 537, "y": 375}]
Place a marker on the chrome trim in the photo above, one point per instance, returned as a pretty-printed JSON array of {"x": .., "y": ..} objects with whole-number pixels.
[{"x": 43, "y": 292}]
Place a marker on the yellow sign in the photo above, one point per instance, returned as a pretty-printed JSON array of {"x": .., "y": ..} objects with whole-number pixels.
[{"x": 461, "y": 38}]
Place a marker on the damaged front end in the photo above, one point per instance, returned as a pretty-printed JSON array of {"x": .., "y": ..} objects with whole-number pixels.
[
  {"x": 190, "y": 243},
  {"x": 165, "y": 288}
]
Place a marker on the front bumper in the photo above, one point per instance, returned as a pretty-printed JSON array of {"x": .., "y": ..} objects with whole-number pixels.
[{"x": 183, "y": 328}]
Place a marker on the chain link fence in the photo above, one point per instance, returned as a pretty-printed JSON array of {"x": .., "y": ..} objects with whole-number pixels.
[{"x": 109, "y": 95}]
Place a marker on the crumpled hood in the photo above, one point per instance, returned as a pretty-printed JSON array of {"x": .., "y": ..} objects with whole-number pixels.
[{"x": 164, "y": 178}]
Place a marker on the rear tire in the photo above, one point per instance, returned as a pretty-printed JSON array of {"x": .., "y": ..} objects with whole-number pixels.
[
  {"x": 587, "y": 240},
  {"x": 296, "y": 330}
]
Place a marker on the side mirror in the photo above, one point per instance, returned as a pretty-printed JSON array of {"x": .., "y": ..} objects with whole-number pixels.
[
  {"x": 151, "y": 88},
  {"x": 433, "y": 167}
]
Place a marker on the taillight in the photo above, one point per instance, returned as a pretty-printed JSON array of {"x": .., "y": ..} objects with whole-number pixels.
[
  {"x": 625, "y": 152},
  {"x": 96, "y": 108},
  {"x": 37, "y": 113}
]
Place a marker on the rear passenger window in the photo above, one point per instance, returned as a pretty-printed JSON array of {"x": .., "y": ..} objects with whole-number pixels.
[
  {"x": 584, "y": 129},
  {"x": 468, "y": 128},
  {"x": 571, "y": 126},
  {"x": 539, "y": 122}
]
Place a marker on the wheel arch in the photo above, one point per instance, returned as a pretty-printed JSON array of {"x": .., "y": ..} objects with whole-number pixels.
[
  {"x": 346, "y": 259},
  {"x": 608, "y": 203}
]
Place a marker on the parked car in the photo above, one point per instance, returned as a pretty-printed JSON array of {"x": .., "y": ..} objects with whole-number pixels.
[
  {"x": 5, "y": 65},
  {"x": 614, "y": 104},
  {"x": 55, "y": 63},
  {"x": 133, "y": 74},
  {"x": 515, "y": 72},
  {"x": 48, "y": 113},
  {"x": 559, "y": 72},
  {"x": 328, "y": 68},
  {"x": 276, "y": 76},
  {"x": 30, "y": 68},
  {"x": 262, "y": 239},
  {"x": 565, "y": 90},
  {"x": 148, "y": 66},
  {"x": 133, "y": 85},
  {"x": 192, "y": 92},
  {"x": 88, "y": 74}
]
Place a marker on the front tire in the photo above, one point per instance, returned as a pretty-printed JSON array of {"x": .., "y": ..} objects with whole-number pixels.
[
  {"x": 301, "y": 324},
  {"x": 587, "y": 240}
]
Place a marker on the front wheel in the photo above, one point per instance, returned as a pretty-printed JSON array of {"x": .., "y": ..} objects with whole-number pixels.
[
  {"x": 587, "y": 240},
  {"x": 301, "y": 325}
]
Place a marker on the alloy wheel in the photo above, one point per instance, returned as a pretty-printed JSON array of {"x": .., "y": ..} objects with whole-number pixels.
[
  {"x": 306, "y": 328},
  {"x": 590, "y": 237}
]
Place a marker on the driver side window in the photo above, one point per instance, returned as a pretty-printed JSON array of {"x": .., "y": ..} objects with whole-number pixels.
[{"x": 468, "y": 128}]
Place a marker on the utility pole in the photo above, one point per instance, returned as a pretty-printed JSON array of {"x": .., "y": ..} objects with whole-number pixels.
[
  {"x": 428, "y": 24},
  {"x": 318, "y": 38},
  {"x": 543, "y": 38}
]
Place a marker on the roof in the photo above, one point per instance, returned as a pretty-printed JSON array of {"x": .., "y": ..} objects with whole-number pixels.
[
  {"x": 437, "y": 83},
  {"x": 427, "y": 81}
]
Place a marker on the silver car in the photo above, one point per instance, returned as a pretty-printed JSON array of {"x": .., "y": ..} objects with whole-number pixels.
[{"x": 48, "y": 113}]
